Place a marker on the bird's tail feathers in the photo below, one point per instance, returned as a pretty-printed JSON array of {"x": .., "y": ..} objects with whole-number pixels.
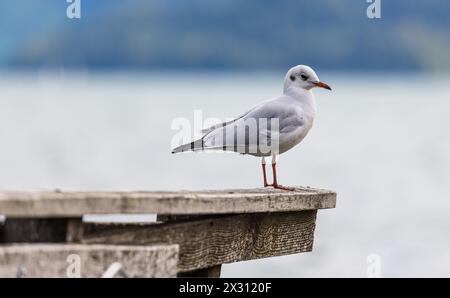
[{"x": 193, "y": 146}]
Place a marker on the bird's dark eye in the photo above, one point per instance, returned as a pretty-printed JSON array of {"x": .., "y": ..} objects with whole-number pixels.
[
  {"x": 292, "y": 78},
  {"x": 304, "y": 77}
]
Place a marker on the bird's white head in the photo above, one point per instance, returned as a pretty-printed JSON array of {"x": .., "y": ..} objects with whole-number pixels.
[{"x": 304, "y": 77}]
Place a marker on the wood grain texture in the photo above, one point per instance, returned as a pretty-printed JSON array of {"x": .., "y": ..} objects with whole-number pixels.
[
  {"x": 223, "y": 239},
  {"x": 51, "y": 260},
  {"x": 78, "y": 203}
]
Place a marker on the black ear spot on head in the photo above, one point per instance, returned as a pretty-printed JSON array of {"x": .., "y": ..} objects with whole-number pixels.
[{"x": 292, "y": 77}]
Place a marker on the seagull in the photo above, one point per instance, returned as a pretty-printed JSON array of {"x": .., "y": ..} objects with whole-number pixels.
[{"x": 269, "y": 128}]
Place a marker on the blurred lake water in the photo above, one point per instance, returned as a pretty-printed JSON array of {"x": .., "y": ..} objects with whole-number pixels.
[{"x": 381, "y": 141}]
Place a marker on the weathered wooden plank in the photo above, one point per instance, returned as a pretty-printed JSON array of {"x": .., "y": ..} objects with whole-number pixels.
[
  {"x": 62, "y": 260},
  {"x": 56, "y": 230},
  {"x": 213, "y": 241},
  {"x": 76, "y": 203},
  {"x": 214, "y": 271}
]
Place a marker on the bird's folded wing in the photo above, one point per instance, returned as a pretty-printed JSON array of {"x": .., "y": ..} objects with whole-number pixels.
[
  {"x": 219, "y": 125},
  {"x": 261, "y": 126}
]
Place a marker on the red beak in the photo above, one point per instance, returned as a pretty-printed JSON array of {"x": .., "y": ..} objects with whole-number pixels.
[{"x": 323, "y": 85}]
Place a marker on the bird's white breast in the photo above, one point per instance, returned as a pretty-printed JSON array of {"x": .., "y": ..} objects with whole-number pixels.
[{"x": 303, "y": 102}]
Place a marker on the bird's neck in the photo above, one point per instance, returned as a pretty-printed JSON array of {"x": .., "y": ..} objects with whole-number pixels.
[
  {"x": 300, "y": 94},
  {"x": 304, "y": 97}
]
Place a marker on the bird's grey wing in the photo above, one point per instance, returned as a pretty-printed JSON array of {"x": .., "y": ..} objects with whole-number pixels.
[
  {"x": 262, "y": 127},
  {"x": 211, "y": 138},
  {"x": 282, "y": 116},
  {"x": 219, "y": 125}
]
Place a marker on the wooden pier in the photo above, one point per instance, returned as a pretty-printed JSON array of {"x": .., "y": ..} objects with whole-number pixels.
[{"x": 195, "y": 232}]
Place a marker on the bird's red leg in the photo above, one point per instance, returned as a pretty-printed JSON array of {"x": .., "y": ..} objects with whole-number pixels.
[
  {"x": 275, "y": 182},
  {"x": 263, "y": 163}
]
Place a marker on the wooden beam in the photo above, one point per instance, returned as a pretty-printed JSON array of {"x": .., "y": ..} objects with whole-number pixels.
[
  {"x": 55, "y": 230},
  {"x": 214, "y": 241},
  {"x": 68, "y": 260},
  {"x": 76, "y": 203},
  {"x": 214, "y": 271}
]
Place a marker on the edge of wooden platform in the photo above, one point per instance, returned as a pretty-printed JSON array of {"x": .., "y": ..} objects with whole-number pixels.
[{"x": 35, "y": 204}]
